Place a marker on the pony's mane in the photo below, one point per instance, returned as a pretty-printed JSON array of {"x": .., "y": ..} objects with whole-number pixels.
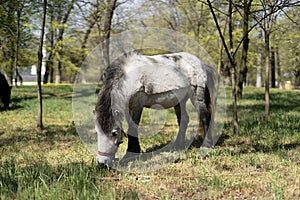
[{"x": 104, "y": 112}]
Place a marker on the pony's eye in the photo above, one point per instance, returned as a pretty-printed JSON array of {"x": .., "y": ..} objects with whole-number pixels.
[{"x": 114, "y": 133}]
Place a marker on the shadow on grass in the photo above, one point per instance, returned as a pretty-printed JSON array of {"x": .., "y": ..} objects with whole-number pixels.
[
  {"x": 157, "y": 147},
  {"x": 12, "y": 141},
  {"x": 262, "y": 148},
  {"x": 257, "y": 135},
  {"x": 23, "y": 94},
  {"x": 278, "y": 100},
  {"x": 10, "y": 108},
  {"x": 243, "y": 146},
  {"x": 196, "y": 143},
  {"x": 15, "y": 104},
  {"x": 53, "y": 130},
  {"x": 49, "y": 135}
]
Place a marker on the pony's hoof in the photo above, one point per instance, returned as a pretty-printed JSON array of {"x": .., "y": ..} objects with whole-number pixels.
[{"x": 203, "y": 152}]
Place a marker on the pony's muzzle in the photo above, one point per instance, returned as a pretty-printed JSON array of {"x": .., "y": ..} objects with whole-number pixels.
[
  {"x": 104, "y": 160},
  {"x": 102, "y": 166},
  {"x": 107, "y": 162}
]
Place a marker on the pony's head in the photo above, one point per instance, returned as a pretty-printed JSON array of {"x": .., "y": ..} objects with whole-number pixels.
[
  {"x": 109, "y": 137},
  {"x": 107, "y": 115}
]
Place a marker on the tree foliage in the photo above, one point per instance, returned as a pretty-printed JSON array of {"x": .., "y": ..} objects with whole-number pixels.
[
  {"x": 16, "y": 36},
  {"x": 73, "y": 27}
]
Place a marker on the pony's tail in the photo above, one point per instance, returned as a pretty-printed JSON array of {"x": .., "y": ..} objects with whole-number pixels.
[{"x": 211, "y": 91}]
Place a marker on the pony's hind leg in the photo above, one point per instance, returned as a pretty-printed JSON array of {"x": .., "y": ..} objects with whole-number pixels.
[
  {"x": 201, "y": 101},
  {"x": 183, "y": 120}
]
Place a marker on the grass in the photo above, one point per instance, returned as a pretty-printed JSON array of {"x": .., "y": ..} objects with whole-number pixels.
[{"x": 262, "y": 162}]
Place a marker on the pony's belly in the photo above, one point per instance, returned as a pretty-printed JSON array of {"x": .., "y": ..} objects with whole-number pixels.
[{"x": 165, "y": 100}]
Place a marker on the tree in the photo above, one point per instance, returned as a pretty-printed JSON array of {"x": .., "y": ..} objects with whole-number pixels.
[
  {"x": 59, "y": 11},
  {"x": 73, "y": 31},
  {"x": 59, "y": 42},
  {"x": 17, "y": 42},
  {"x": 278, "y": 68},
  {"x": 220, "y": 53},
  {"x": 269, "y": 11},
  {"x": 289, "y": 46},
  {"x": 233, "y": 66},
  {"x": 259, "y": 62},
  {"x": 15, "y": 36},
  {"x": 267, "y": 28},
  {"x": 195, "y": 14},
  {"x": 111, "y": 5},
  {"x": 273, "y": 67},
  {"x": 230, "y": 54},
  {"x": 244, "y": 67},
  {"x": 39, "y": 67},
  {"x": 49, "y": 64}
]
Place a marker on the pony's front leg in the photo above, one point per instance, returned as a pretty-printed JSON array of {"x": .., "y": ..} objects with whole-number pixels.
[{"x": 133, "y": 121}]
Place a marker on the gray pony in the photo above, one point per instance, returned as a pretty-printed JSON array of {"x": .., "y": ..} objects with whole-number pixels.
[{"x": 134, "y": 81}]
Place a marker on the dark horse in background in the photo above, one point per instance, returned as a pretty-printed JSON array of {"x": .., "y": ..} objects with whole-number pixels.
[
  {"x": 135, "y": 81},
  {"x": 5, "y": 90}
]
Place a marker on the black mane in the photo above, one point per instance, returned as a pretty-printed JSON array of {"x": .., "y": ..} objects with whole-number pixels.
[{"x": 103, "y": 109}]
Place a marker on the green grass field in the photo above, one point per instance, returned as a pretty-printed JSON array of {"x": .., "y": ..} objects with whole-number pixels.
[{"x": 263, "y": 162}]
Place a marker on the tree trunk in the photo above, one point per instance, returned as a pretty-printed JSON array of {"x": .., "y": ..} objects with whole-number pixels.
[
  {"x": 233, "y": 74},
  {"x": 58, "y": 72},
  {"x": 267, "y": 77},
  {"x": 244, "y": 67},
  {"x": 111, "y": 5},
  {"x": 52, "y": 74},
  {"x": 16, "y": 56},
  {"x": 39, "y": 67},
  {"x": 83, "y": 47},
  {"x": 278, "y": 69},
  {"x": 220, "y": 57},
  {"x": 272, "y": 62},
  {"x": 59, "y": 41},
  {"x": 220, "y": 54},
  {"x": 15, "y": 65},
  {"x": 49, "y": 64},
  {"x": 267, "y": 30},
  {"x": 259, "y": 67},
  {"x": 230, "y": 55}
]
